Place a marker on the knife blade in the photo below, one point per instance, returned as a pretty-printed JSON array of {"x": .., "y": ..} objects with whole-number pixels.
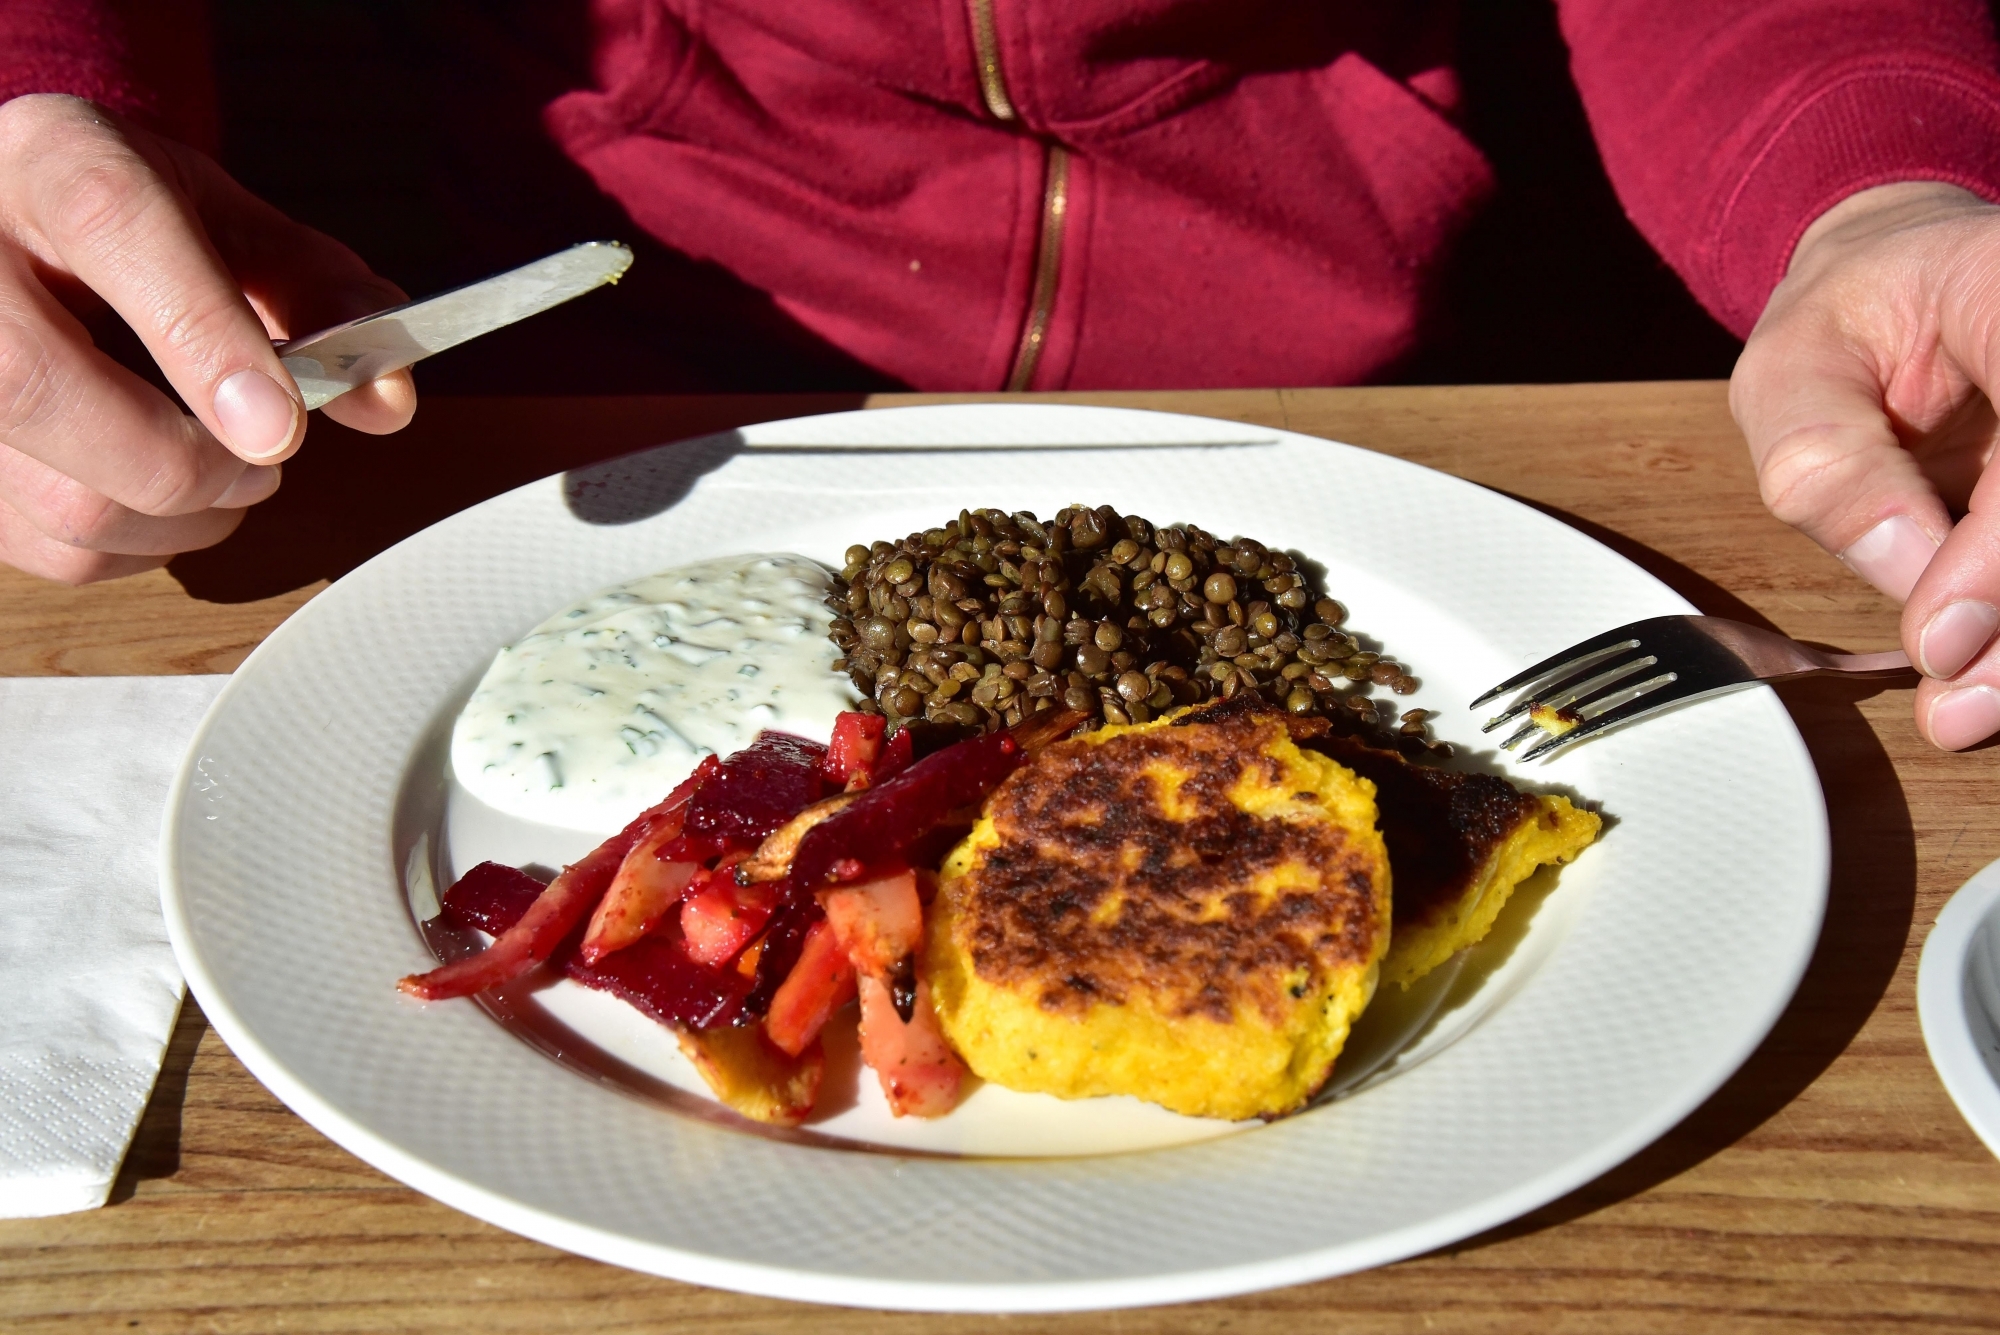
[{"x": 331, "y": 362}]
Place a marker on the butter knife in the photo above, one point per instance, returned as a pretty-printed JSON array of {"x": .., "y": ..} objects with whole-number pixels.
[{"x": 331, "y": 362}]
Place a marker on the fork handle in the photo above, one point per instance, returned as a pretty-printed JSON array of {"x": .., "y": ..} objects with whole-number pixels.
[{"x": 1890, "y": 664}]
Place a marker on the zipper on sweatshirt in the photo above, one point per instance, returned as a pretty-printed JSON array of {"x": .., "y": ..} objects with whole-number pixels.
[
  {"x": 1055, "y": 197},
  {"x": 1048, "y": 263},
  {"x": 986, "y": 50}
]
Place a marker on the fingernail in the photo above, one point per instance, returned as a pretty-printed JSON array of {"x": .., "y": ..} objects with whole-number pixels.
[
  {"x": 1892, "y": 555},
  {"x": 1965, "y": 716},
  {"x": 257, "y": 417},
  {"x": 1954, "y": 636},
  {"x": 254, "y": 484}
]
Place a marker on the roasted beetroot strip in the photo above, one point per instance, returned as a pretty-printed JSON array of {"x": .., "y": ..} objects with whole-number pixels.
[
  {"x": 758, "y": 789},
  {"x": 887, "y": 819},
  {"x": 565, "y": 903},
  {"x": 490, "y": 898},
  {"x": 654, "y": 974}
]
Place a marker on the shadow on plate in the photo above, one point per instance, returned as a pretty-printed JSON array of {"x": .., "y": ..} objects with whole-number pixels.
[
  {"x": 1871, "y": 901},
  {"x": 1387, "y": 1039},
  {"x": 348, "y": 496}
]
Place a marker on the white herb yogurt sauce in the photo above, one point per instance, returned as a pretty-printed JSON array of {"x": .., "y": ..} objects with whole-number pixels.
[{"x": 598, "y": 712}]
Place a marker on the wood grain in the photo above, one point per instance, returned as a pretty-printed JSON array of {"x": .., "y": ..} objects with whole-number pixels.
[{"x": 1829, "y": 1184}]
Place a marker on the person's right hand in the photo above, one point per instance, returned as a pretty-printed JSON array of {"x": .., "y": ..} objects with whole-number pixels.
[{"x": 102, "y": 475}]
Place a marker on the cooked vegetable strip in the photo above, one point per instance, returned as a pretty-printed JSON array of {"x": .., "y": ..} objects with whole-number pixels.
[
  {"x": 490, "y": 898},
  {"x": 884, "y": 822},
  {"x": 921, "y": 1076},
  {"x": 773, "y": 857},
  {"x": 880, "y": 823},
  {"x": 879, "y": 922},
  {"x": 533, "y": 939},
  {"x": 851, "y": 755},
  {"x": 752, "y": 1076},
  {"x": 642, "y": 892},
  {"x": 1051, "y": 725},
  {"x": 818, "y": 985},
  {"x": 558, "y": 909},
  {"x": 779, "y": 948},
  {"x": 759, "y": 788},
  {"x": 721, "y": 918}
]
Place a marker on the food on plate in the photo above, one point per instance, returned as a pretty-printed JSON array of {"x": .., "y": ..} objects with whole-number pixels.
[
  {"x": 989, "y": 617},
  {"x": 660, "y": 916},
  {"x": 1115, "y": 816},
  {"x": 1459, "y": 845},
  {"x": 1553, "y": 721},
  {"x": 1189, "y": 911},
  {"x": 615, "y": 699}
]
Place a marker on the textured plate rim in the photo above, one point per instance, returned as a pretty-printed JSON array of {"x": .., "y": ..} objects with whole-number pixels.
[
  {"x": 1942, "y": 1003},
  {"x": 972, "y": 1296}
]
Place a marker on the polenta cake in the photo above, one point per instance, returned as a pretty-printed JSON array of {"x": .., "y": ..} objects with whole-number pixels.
[
  {"x": 1189, "y": 914},
  {"x": 1459, "y": 845}
]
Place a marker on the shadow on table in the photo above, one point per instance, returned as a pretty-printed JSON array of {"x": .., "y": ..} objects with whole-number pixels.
[
  {"x": 348, "y": 496},
  {"x": 1871, "y": 901},
  {"x": 156, "y": 1146}
]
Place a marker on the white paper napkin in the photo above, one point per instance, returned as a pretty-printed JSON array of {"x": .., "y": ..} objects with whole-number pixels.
[{"x": 88, "y": 986}]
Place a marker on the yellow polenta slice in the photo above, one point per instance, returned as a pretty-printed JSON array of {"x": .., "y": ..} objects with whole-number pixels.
[
  {"x": 1191, "y": 912},
  {"x": 1459, "y": 844}
]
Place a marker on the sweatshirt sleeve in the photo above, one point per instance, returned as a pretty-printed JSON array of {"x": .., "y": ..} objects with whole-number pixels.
[
  {"x": 1727, "y": 126},
  {"x": 69, "y": 46}
]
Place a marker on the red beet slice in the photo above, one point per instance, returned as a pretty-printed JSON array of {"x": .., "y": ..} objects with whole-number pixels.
[
  {"x": 490, "y": 898},
  {"x": 759, "y": 788},
  {"x": 886, "y": 820},
  {"x": 565, "y": 904},
  {"x": 656, "y": 976},
  {"x": 784, "y": 939},
  {"x": 897, "y": 756}
]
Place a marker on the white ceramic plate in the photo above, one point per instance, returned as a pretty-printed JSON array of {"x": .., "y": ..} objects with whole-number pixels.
[
  {"x": 313, "y": 807},
  {"x": 1958, "y": 1001}
]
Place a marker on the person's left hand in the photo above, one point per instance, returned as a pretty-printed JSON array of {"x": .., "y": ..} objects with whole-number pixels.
[{"x": 1864, "y": 393}]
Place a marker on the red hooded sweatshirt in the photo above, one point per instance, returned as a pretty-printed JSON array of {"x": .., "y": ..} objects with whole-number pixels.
[{"x": 977, "y": 194}]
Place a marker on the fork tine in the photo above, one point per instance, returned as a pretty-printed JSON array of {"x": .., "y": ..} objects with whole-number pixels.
[
  {"x": 1623, "y": 706},
  {"x": 1570, "y": 661},
  {"x": 1561, "y": 704},
  {"x": 1569, "y": 694}
]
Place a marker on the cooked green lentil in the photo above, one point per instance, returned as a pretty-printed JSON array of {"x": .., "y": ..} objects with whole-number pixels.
[{"x": 992, "y": 617}]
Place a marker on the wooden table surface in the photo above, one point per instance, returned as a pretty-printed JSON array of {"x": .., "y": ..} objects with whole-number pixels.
[{"x": 1831, "y": 1182}]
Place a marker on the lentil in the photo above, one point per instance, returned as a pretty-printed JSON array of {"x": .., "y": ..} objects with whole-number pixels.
[{"x": 990, "y": 617}]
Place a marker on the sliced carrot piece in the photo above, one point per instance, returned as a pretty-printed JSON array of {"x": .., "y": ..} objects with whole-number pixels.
[
  {"x": 920, "y": 1074},
  {"x": 880, "y": 922},
  {"x": 818, "y": 985},
  {"x": 531, "y": 940},
  {"x": 560, "y": 908},
  {"x": 641, "y": 894},
  {"x": 721, "y": 917}
]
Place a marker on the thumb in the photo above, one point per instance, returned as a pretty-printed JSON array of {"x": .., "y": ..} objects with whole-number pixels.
[
  {"x": 1828, "y": 459},
  {"x": 298, "y": 280}
]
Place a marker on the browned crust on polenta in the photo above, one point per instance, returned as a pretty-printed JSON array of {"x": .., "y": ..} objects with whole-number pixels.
[
  {"x": 1100, "y": 831},
  {"x": 1441, "y": 826}
]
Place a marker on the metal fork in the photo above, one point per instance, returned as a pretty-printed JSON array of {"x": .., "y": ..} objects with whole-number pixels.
[{"x": 1590, "y": 687}]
